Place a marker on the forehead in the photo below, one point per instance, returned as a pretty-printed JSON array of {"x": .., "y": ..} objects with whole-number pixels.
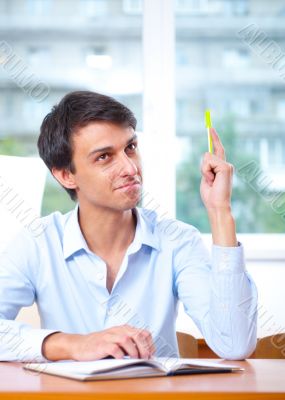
[{"x": 101, "y": 134}]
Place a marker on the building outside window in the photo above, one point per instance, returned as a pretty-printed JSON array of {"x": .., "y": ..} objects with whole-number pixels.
[{"x": 242, "y": 90}]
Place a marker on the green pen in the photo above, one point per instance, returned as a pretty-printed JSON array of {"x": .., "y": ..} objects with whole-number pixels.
[{"x": 208, "y": 126}]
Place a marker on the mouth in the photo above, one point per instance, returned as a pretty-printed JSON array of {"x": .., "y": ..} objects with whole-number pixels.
[{"x": 129, "y": 186}]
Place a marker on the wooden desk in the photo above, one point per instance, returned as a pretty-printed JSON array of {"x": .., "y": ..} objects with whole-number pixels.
[{"x": 262, "y": 379}]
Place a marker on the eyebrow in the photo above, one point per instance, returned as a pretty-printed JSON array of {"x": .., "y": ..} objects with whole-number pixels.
[{"x": 110, "y": 148}]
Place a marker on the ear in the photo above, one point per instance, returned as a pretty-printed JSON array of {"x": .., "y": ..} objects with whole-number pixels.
[{"x": 64, "y": 177}]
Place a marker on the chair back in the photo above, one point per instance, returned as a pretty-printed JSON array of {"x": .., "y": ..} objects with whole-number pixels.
[
  {"x": 270, "y": 347},
  {"x": 188, "y": 345},
  {"x": 22, "y": 181}
]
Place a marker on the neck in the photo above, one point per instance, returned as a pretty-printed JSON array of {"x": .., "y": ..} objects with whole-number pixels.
[{"x": 107, "y": 231}]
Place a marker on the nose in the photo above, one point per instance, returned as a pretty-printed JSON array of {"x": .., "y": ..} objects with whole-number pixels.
[{"x": 127, "y": 166}]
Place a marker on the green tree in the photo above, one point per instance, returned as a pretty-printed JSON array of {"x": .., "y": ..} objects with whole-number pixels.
[{"x": 12, "y": 147}]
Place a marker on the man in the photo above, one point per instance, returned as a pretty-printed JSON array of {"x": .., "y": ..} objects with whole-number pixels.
[{"x": 107, "y": 276}]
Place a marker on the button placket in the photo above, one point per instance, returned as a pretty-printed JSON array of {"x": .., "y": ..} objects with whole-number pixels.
[{"x": 110, "y": 311}]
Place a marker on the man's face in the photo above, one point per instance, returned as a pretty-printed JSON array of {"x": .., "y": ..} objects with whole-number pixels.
[{"x": 107, "y": 166}]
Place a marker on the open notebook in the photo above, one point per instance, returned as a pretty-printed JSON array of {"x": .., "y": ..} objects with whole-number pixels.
[{"x": 129, "y": 368}]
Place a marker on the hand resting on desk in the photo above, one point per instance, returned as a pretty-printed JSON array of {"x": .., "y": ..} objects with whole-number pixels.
[{"x": 117, "y": 342}]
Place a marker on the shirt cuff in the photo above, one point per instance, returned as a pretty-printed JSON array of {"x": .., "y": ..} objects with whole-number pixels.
[
  {"x": 228, "y": 259},
  {"x": 34, "y": 344}
]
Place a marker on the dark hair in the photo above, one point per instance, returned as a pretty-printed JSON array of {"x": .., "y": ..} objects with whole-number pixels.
[{"x": 74, "y": 111}]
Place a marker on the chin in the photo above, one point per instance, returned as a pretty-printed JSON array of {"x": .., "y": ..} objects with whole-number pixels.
[
  {"x": 128, "y": 204},
  {"x": 131, "y": 204}
]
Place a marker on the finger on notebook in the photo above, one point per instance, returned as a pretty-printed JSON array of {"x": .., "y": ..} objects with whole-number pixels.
[
  {"x": 128, "y": 345},
  {"x": 114, "y": 350},
  {"x": 143, "y": 340},
  {"x": 144, "y": 343}
]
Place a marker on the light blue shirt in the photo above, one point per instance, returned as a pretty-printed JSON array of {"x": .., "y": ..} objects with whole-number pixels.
[{"x": 166, "y": 262}]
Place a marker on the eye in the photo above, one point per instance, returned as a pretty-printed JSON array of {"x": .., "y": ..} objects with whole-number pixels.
[
  {"x": 103, "y": 157},
  {"x": 132, "y": 146}
]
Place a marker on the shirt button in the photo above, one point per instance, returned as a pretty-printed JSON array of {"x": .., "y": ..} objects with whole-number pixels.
[
  {"x": 100, "y": 276},
  {"x": 110, "y": 311}
]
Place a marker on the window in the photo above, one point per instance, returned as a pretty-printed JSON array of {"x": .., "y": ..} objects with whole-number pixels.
[
  {"x": 235, "y": 58},
  {"x": 240, "y": 107},
  {"x": 39, "y": 56},
  {"x": 236, "y": 7},
  {"x": 98, "y": 58},
  {"x": 93, "y": 8},
  {"x": 38, "y": 7},
  {"x": 2, "y": 105},
  {"x": 258, "y": 106},
  {"x": 263, "y": 151},
  {"x": 32, "y": 110},
  {"x": 247, "y": 113},
  {"x": 281, "y": 109},
  {"x": 199, "y": 7},
  {"x": 132, "y": 6},
  {"x": 276, "y": 149},
  {"x": 250, "y": 145}
]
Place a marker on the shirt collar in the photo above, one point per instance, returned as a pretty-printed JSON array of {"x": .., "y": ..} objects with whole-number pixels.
[
  {"x": 145, "y": 233},
  {"x": 73, "y": 239}
]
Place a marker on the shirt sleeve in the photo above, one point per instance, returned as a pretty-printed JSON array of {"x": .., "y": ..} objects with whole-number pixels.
[
  {"x": 218, "y": 294},
  {"x": 19, "y": 341}
]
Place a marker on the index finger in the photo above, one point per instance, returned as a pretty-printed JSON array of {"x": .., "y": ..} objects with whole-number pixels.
[
  {"x": 219, "y": 150},
  {"x": 144, "y": 342}
]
